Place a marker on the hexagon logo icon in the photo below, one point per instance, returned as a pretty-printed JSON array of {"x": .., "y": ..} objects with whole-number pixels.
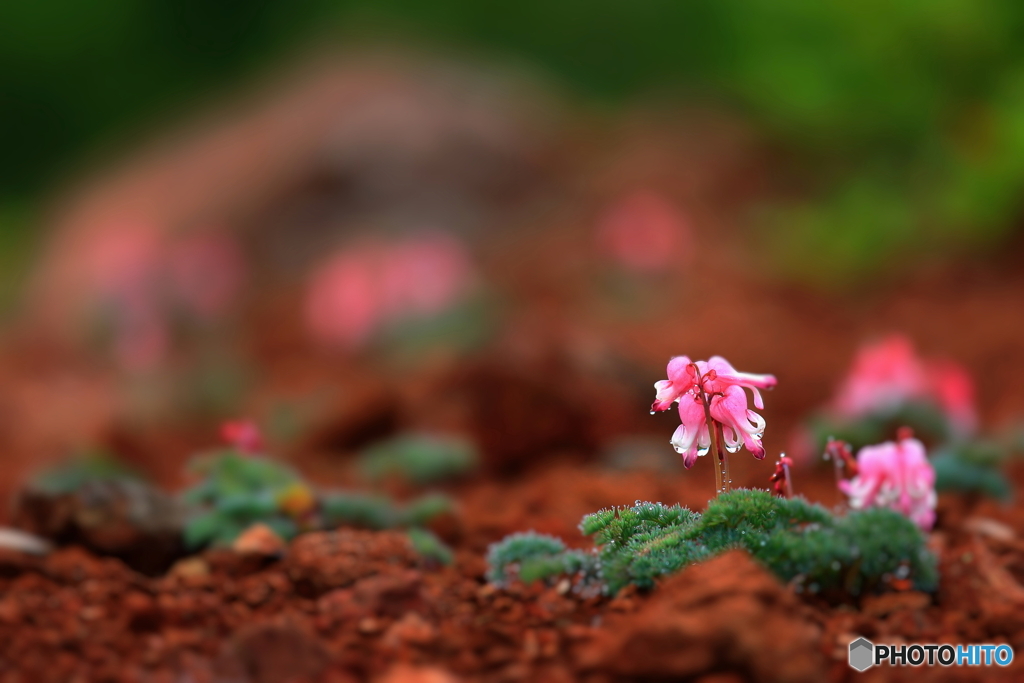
[{"x": 862, "y": 654}]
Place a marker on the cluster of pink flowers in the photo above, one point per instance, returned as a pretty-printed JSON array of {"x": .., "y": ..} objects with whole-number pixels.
[
  {"x": 712, "y": 388},
  {"x": 643, "y": 232},
  {"x": 889, "y": 374},
  {"x": 141, "y": 275},
  {"x": 368, "y": 286},
  {"x": 895, "y": 475}
]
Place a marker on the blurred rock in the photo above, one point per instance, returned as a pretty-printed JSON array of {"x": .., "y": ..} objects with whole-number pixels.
[
  {"x": 13, "y": 539},
  {"x": 259, "y": 540},
  {"x": 126, "y": 519}
]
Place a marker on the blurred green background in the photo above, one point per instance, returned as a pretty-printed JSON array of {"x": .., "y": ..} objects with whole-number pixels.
[{"x": 902, "y": 122}]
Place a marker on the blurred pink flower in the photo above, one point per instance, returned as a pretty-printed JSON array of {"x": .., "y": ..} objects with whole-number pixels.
[
  {"x": 894, "y": 475},
  {"x": 137, "y": 272},
  {"x": 343, "y": 302},
  {"x": 124, "y": 260},
  {"x": 717, "y": 382},
  {"x": 205, "y": 273},
  {"x": 889, "y": 373},
  {"x": 242, "y": 435},
  {"x": 424, "y": 275},
  {"x": 364, "y": 288},
  {"x": 953, "y": 390},
  {"x": 644, "y": 232}
]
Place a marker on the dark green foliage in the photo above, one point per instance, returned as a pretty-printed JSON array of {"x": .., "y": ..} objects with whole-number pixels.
[
  {"x": 972, "y": 468},
  {"x": 420, "y": 511},
  {"x": 237, "y": 491},
  {"x": 798, "y": 541},
  {"x": 420, "y": 459},
  {"x": 76, "y": 473},
  {"x": 860, "y": 553},
  {"x": 525, "y": 546},
  {"x": 430, "y": 546},
  {"x": 379, "y": 512},
  {"x": 358, "y": 509},
  {"x": 926, "y": 420},
  {"x": 230, "y": 474}
]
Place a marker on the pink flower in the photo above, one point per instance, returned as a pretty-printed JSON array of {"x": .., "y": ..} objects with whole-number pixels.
[
  {"x": 692, "y": 437},
  {"x": 726, "y": 375},
  {"x": 682, "y": 379},
  {"x": 894, "y": 475},
  {"x": 643, "y": 232},
  {"x": 424, "y": 275},
  {"x": 887, "y": 375},
  {"x": 883, "y": 376},
  {"x": 364, "y": 288},
  {"x": 242, "y": 435},
  {"x": 722, "y": 386},
  {"x": 953, "y": 390},
  {"x": 343, "y": 304},
  {"x": 739, "y": 424}
]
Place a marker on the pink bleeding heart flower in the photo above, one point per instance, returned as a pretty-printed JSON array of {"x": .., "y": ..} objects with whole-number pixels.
[
  {"x": 740, "y": 425},
  {"x": 726, "y": 375},
  {"x": 895, "y": 475},
  {"x": 712, "y": 388},
  {"x": 692, "y": 437},
  {"x": 682, "y": 379}
]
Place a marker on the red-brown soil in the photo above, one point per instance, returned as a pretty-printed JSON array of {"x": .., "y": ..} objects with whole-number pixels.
[{"x": 359, "y": 605}]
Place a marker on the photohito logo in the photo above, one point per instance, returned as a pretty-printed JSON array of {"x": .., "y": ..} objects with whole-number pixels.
[{"x": 864, "y": 654}]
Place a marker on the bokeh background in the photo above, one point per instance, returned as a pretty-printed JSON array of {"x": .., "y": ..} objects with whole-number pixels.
[{"x": 214, "y": 209}]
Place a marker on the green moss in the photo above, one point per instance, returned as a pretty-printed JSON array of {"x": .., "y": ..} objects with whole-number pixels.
[{"x": 837, "y": 557}]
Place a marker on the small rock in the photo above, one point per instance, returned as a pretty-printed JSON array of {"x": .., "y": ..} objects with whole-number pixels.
[
  {"x": 189, "y": 567},
  {"x": 13, "y": 539},
  {"x": 411, "y": 629},
  {"x": 260, "y": 540}
]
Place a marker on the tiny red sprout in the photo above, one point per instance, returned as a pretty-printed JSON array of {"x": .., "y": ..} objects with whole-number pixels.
[
  {"x": 713, "y": 410},
  {"x": 782, "y": 485},
  {"x": 243, "y": 435},
  {"x": 895, "y": 475}
]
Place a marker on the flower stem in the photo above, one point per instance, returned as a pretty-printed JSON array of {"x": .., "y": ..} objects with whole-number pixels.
[
  {"x": 714, "y": 428},
  {"x": 723, "y": 458}
]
